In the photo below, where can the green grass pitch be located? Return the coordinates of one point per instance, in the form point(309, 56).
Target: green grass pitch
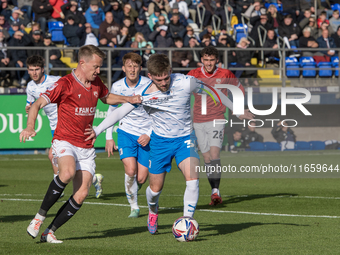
point(282, 214)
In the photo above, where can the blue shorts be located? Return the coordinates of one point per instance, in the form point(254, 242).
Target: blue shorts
point(163, 150)
point(129, 147)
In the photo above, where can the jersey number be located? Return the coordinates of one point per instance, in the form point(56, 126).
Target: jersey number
point(216, 136)
point(189, 144)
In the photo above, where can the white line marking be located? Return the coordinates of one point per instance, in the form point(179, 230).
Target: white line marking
point(201, 210)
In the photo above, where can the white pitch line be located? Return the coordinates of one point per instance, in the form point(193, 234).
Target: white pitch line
point(201, 210)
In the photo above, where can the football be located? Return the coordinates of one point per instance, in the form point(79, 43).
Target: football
point(185, 229)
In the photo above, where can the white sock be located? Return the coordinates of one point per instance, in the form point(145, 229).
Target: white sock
point(54, 176)
point(215, 191)
point(191, 197)
point(152, 199)
point(40, 217)
point(131, 189)
point(94, 179)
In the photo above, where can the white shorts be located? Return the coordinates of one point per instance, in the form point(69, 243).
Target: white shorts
point(84, 157)
point(208, 135)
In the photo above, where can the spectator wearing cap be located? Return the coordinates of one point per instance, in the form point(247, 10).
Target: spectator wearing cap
point(160, 38)
point(94, 16)
point(6, 77)
point(189, 34)
point(336, 37)
point(54, 55)
point(130, 12)
point(176, 29)
point(109, 29)
point(326, 42)
point(244, 58)
point(4, 23)
point(157, 18)
point(174, 10)
point(86, 35)
point(163, 6)
point(182, 7)
point(131, 28)
point(141, 26)
point(70, 30)
point(290, 31)
point(15, 26)
point(118, 14)
point(71, 8)
point(19, 56)
point(256, 22)
point(307, 41)
point(36, 41)
point(15, 17)
point(57, 12)
point(43, 11)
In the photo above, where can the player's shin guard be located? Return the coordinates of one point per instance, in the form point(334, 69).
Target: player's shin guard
point(152, 198)
point(131, 189)
point(53, 193)
point(64, 214)
point(214, 174)
point(191, 197)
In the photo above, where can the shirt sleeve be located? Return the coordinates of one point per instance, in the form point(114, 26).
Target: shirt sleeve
point(55, 91)
point(110, 129)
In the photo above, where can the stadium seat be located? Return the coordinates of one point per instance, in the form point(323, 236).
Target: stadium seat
point(308, 64)
point(335, 7)
point(335, 63)
point(291, 63)
point(325, 69)
point(256, 146)
point(55, 25)
point(317, 145)
point(278, 6)
point(56, 30)
point(302, 146)
point(272, 146)
point(240, 31)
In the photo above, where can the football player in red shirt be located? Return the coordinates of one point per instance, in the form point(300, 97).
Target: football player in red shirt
point(210, 137)
point(76, 95)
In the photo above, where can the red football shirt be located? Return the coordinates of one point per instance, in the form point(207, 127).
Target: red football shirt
point(76, 107)
point(220, 76)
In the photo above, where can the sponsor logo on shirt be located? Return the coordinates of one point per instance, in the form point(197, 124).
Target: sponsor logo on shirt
point(85, 111)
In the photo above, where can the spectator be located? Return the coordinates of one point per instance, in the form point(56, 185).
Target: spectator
point(244, 58)
point(136, 5)
point(36, 41)
point(6, 77)
point(181, 58)
point(206, 41)
point(26, 6)
point(142, 43)
point(271, 42)
point(322, 18)
point(325, 5)
point(54, 55)
point(57, 12)
point(336, 37)
point(190, 33)
point(4, 23)
point(163, 6)
point(256, 22)
point(249, 135)
point(242, 6)
point(175, 9)
point(335, 20)
point(94, 16)
point(307, 41)
point(284, 136)
point(109, 29)
point(19, 57)
point(146, 55)
point(122, 37)
point(236, 142)
point(141, 26)
point(254, 10)
point(290, 31)
point(182, 7)
point(71, 8)
point(274, 18)
point(70, 30)
point(15, 17)
point(208, 12)
point(161, 39)
point(157, 18)
point(5, 10)
point(313, 28)
point(307, 5)
point(209, 31)
point(15, 26)
point(86, 35)
point(290, 7)
point(131, 28)
point(325, 26)
point(193, 43)
point(117, 12)
point(176, 29)
point(304, 20)
point(130, 12)
point(102, 4)
point(326, 42)
point(43, 11)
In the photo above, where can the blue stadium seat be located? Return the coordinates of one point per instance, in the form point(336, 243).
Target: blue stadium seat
point(256, 146)
point(325, 70)
point(302, 146)
point(55, 25)
point(335, 63)
point(240, 31)
point(335, 7)
point(278, 6)
point(317, 145)
point(308, 64)
point(56, 30)
point(291, 63)
point(272, 146)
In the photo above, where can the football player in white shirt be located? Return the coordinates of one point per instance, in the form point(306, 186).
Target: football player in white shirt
point(167, 100)
point(133, 133)
point(39, 84)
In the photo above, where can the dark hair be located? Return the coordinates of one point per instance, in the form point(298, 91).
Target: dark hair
point(35, 60)
point(177, 39)
point(210, 51)
point(158, 64)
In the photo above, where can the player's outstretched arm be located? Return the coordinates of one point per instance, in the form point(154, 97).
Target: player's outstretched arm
point(109, 121)
point(114, 99)
point(32, 116)
point(110, 143)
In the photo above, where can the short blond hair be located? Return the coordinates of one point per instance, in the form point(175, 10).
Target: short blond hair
point(87, 52)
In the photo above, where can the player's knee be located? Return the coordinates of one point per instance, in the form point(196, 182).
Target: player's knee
point(50, 157)
point(142, 179)
point(130, 172)
point(156, 187)
point(206, 158)
point(81, 196)
point(66, 176)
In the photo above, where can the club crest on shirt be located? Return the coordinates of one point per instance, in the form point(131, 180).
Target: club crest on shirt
point(218, 81)
point(95, 93)
point(52, 86)
point(62, 151)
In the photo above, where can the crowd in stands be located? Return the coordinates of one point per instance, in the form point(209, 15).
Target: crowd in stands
point(169, 23)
